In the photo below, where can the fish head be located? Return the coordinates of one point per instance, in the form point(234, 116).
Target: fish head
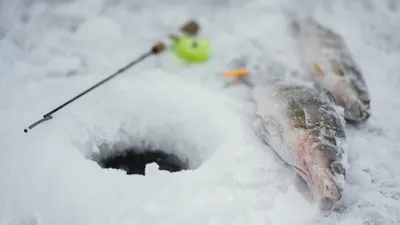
point(349, 90)
point(356, 108)
point(357, 83)
point(320, 160)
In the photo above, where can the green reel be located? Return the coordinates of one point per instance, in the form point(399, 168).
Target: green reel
point(191, 49)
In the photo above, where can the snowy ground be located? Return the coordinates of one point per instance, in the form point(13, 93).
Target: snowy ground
point(51, 51)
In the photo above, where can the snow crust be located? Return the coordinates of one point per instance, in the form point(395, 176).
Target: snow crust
point(52, 50)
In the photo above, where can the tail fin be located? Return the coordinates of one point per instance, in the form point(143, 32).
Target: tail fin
point(293, 18)
point(296, 13)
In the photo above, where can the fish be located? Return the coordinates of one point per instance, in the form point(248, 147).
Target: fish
point(305, 130)
point(332, 68)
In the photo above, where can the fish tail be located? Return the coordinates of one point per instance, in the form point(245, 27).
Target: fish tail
point(261, 130)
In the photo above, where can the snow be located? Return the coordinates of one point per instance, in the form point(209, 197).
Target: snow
point(47, 175)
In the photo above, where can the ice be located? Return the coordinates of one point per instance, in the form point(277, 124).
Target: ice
point(152, 169)
point(63, 66)
point(47, 176)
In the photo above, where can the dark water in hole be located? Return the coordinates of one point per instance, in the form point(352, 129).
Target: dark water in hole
point(134, 161)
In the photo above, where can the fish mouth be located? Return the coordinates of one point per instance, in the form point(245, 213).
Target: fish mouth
point(316, 171)
point(357, 115)
point(355, 109)
point(322, 184)
point(327, 190)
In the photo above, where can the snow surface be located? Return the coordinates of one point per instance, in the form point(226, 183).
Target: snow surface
point(52, 50)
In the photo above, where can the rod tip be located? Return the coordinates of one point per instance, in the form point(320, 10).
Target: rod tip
point(158, 48)
point(25, 130)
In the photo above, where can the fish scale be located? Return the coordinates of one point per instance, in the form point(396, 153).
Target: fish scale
point(304, 130)
point(325, 55)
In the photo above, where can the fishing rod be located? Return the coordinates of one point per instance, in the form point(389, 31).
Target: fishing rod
point(189, 28)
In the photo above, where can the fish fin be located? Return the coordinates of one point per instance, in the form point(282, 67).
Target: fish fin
point(267, 127)
point(317, 70)
point(260, 126)
point(337, 68)
point(299, 171)
point(325, 93)
point(297, 114)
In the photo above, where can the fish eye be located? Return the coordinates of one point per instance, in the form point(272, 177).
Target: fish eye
point(365, 99)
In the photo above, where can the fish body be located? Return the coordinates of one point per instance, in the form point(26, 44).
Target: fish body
point(326, 56)
point(305, 130)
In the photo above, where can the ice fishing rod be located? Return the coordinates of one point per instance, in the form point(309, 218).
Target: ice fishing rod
point(190, 28)
point(156, 49)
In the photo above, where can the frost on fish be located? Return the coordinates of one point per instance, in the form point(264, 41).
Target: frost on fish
point(305, 130)
point(326, 56)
